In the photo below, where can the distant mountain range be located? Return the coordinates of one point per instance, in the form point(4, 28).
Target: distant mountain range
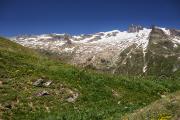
point(136, 51)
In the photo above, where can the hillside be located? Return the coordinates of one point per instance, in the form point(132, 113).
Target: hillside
point(33, 86)
point(166, 108)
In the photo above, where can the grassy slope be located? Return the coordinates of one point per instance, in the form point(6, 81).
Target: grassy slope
point(102, 96)
point(164, 109)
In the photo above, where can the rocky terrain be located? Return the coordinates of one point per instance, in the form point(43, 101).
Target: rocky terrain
point(136, 51)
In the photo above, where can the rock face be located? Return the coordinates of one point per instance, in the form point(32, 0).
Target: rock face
point(175, 32)
point(163, 53)
point(136, 51)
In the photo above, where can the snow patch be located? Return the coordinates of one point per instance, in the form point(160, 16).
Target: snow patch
point(44, 36)
point(175, 45)
point(176, 40)
point(145, 68)
point(166, 31)
point(69, 49)
point(178, 58)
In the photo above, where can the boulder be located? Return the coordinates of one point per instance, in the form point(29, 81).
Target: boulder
point(46, 84)
point(42, 93)
point(38, 82)
point(42, 83)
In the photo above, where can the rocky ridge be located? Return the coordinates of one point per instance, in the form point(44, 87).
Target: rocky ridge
point(136, 51)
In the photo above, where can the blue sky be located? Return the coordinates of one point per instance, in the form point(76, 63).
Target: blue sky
point(19, 17)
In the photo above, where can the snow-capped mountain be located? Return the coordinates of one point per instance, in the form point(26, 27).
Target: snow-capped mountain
point(138, 50)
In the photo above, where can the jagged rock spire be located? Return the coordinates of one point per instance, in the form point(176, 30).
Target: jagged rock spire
point(134, 28)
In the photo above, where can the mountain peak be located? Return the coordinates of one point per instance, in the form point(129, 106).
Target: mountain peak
point(134, 28)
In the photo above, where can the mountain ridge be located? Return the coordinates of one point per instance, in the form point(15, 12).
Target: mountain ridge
point(108, 51)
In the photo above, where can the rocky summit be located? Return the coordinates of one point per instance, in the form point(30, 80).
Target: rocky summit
point(136, 51)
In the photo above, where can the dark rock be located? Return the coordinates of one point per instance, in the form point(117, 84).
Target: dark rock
point(175, 32)
point(67, 39)
point(7, 105)
point(95, 39)
point(104, 60)
point(42, 93)
point(101, 34)
point(111, 34)
point(89, 59)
